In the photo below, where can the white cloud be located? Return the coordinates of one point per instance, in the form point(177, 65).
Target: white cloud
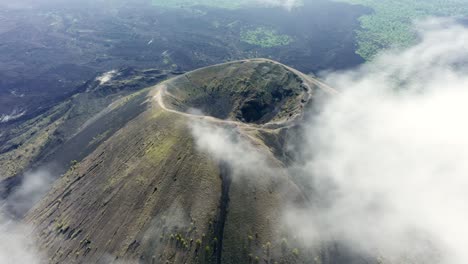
point(15, 114)
point(229, 145)
point(34, 186)
point(389, 154)
point(106, 77)
point(17, 243)
point(386, 158)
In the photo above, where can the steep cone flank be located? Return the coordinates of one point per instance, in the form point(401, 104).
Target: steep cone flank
point(148, 195)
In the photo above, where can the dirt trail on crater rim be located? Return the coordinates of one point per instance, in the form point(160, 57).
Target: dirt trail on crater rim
point(162, 93)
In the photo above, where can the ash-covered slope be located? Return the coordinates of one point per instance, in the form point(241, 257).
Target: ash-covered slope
point(147, 194)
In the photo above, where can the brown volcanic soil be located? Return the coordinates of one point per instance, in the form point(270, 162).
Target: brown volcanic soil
point(148, 195)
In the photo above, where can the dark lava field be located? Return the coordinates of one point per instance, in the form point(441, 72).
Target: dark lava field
point(48, 51)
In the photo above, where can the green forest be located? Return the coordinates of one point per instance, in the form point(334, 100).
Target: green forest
point(390, 23)
point(265, 37)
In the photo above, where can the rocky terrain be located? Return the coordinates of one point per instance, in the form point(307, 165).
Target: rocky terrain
point(49, 48)
point(142, 191)
point(75, 127)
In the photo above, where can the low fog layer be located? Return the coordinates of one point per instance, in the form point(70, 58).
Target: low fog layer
point(386, 157)
point(17, 244)
point(389, 153)
point(227, 146)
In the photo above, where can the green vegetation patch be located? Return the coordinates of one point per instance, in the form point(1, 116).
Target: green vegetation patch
point(390, 25)
point(265, 37)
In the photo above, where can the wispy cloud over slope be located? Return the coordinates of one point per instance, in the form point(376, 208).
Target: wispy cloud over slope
point(17, 242)
point(16, 245)
point(387, 157)
point(389, 154)
point(228, 146)
point(15, 114)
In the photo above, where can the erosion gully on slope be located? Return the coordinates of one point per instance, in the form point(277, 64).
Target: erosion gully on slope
point(225, 172)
